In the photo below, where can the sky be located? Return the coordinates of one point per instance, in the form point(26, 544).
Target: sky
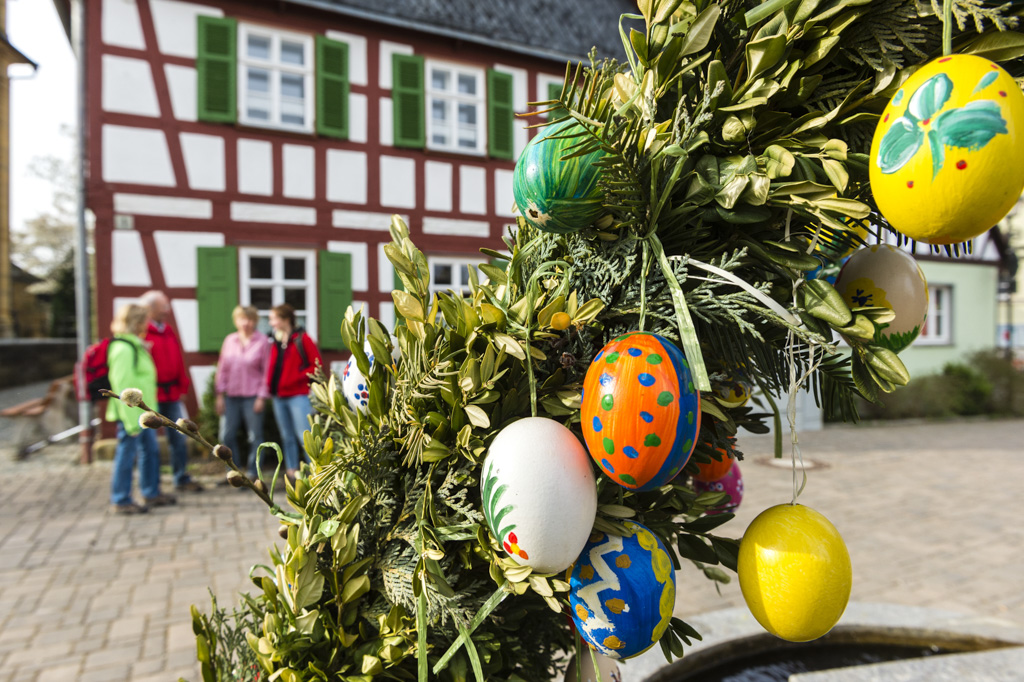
point(40, 104)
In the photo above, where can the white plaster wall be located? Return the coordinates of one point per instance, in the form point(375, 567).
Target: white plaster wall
point(176, 25)
point(204, 161)
point(387, 122)
point(186, 317)
point(176, 207)
point(356, 55)
point(121, 25)
point(520, 96)
point(136, 155)
point(128, 86)
point(244, 211)
point(177, 254)
point(358, 251)
point(458, 228)
point(543, 80)
point(438, 177)
point(118, 302)
point(255, 167)
point(397, 182)
point(385, 50)
point(346, 176)
point(129, 260)
point(386, 316)
point(357, 117)
point(299, 171)
point(472, 190)
point(385, 271)
point(181, 83)
point(361, 220)
point(200, 375)
point(504, 200)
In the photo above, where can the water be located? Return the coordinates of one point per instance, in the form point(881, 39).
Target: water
point(778, 665)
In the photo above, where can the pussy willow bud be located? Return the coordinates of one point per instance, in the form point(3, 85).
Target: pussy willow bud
point(260, 486)
point(132, 397)
point(236, 479)
point(283, 532)
point(150, 420)
point(188, 425)
point(222, 452)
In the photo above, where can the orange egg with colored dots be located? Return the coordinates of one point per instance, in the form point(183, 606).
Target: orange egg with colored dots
point(945, 155)
point(715, 470)
point(640, 412)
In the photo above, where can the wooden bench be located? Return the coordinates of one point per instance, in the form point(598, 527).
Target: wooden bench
point(39, 417)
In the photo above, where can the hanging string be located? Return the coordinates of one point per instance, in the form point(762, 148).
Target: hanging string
point(947, 27)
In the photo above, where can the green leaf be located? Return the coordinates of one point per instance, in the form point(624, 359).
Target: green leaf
point(849, 207)
point(836, 173)
point(899, 144)
point(408, 305)
point(999, 46)
point(930, 97)
point(779, 161)
point(696, 548)
point(639, 43)
point(763, 54)
point(822, 301)
point(700, 31)
point(355, 588)
point(970, 127)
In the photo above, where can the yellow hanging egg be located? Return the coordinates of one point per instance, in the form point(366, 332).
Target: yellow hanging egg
point(794, 572)
point(945, 158)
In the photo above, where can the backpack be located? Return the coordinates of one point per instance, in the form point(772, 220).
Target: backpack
point(92, 371)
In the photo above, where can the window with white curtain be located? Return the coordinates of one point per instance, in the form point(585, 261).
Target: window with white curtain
point(275, 78)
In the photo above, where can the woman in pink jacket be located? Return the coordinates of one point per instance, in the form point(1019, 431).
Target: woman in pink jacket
point(241, 384)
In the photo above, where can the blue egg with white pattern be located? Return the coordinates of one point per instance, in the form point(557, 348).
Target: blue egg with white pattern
point(622, 591)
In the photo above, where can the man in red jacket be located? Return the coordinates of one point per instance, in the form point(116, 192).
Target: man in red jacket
point(172, 382)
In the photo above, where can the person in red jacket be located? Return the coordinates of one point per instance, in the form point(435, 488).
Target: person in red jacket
point(293, 359)
point(172, 382)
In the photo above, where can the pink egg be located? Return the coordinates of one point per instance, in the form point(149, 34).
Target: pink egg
point(731, 484)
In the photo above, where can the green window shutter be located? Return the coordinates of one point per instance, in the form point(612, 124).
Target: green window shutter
point(408, 101)
point(554, 92)
point(216, 69)
point(216, 294)
point(500, 115)
point(335, 297)
point(331, 87)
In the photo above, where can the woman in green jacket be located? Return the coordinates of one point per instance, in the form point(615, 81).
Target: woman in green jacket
point(131, 366)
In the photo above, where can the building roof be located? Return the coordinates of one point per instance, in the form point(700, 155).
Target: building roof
point(555, 29)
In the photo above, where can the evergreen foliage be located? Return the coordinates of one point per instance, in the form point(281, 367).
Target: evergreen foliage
point(733, 139)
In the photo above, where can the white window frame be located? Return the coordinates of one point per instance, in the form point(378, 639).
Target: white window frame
point(275, 67)
point(938, 327)
point(277, 282)
point(453, 96)
point(456, 262)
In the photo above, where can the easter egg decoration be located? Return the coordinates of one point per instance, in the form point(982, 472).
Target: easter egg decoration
point(553, 193)
point(944, 156)
point(539, 493)
point(606, 667)
point(731, 484)
point(795, 572)
point(622, 590)
point(354, 385)
point(716, 469)
point(640, 412)
point(883, 275)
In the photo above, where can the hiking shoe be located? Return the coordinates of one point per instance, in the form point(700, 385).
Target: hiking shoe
point(129, 508)
point(190, 487)
point(161, 500)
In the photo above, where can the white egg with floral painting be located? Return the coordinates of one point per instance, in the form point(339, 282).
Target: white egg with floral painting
point(539, 493)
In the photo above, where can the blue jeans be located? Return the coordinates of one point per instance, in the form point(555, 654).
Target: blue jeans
point(128, 448)
point(291, 413)
point(179, 453)
point(236, 410)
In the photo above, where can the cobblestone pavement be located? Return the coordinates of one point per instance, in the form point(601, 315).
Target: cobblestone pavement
point(931, 514)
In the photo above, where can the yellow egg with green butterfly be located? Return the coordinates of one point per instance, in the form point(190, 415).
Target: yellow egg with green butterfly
point(945, 159)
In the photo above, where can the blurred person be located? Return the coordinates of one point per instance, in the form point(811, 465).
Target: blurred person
point(293, 359)
point(131, 366)
point(241, 384)
point(172, 383)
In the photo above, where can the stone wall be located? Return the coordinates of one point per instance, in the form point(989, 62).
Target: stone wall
point(24, 361)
